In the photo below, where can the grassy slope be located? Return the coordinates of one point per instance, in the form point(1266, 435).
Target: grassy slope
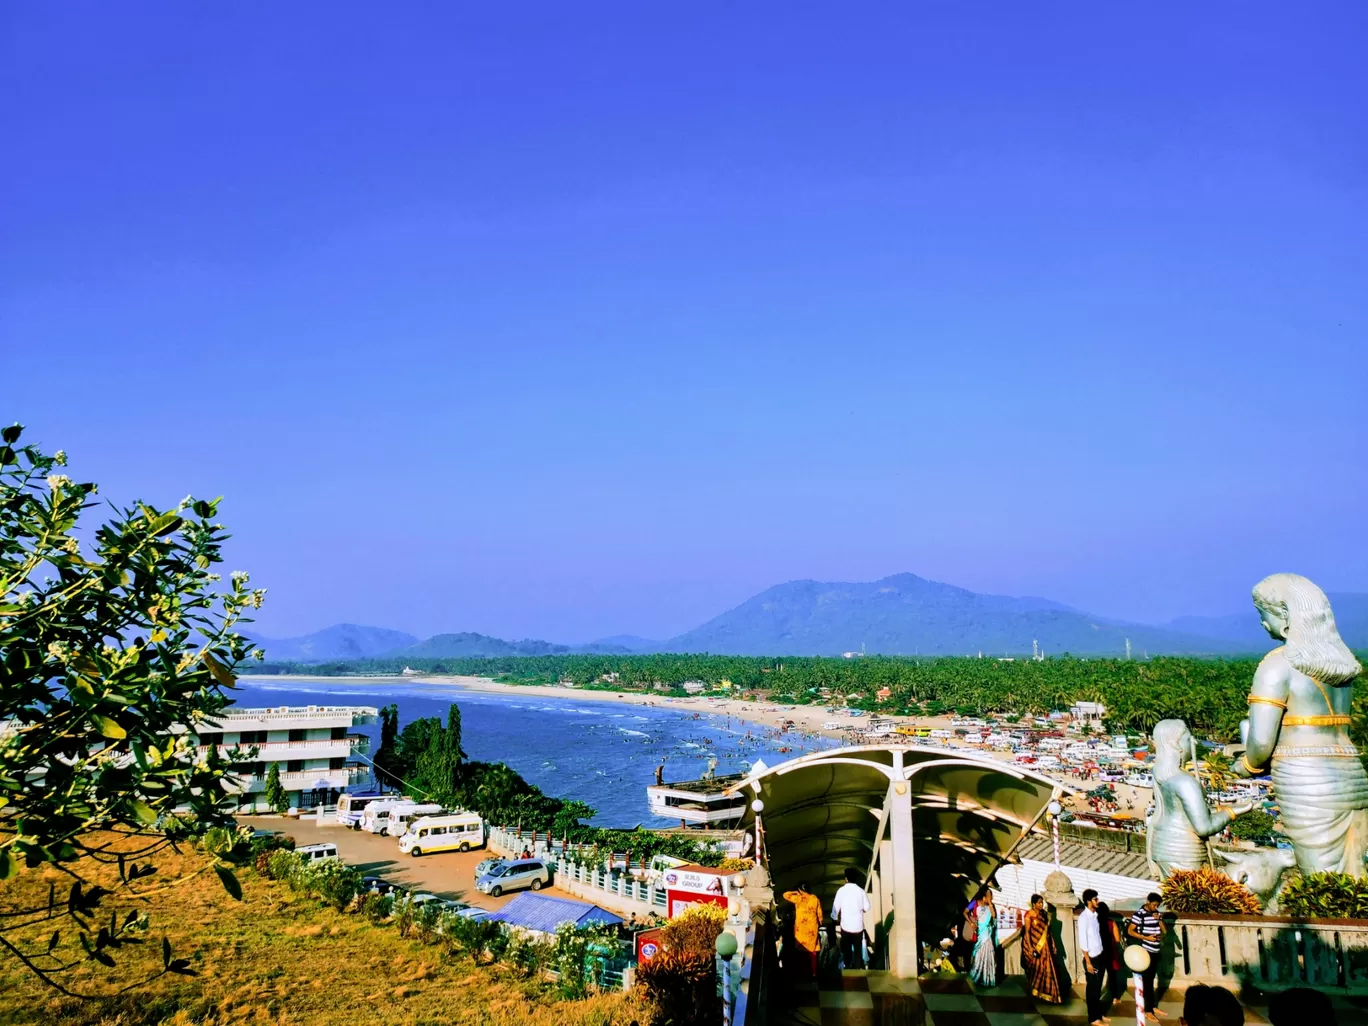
point(277, 958)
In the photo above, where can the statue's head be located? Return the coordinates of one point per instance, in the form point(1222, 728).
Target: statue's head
point(1296, 611)
point(1172, 736)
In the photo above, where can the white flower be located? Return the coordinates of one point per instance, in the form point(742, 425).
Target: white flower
point(59, 457)
point(58, 481)
point(241, 575)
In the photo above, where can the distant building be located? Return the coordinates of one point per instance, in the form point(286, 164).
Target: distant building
point(1091, 713)
point(883, 694)
point(311, 744)
point(694, 687)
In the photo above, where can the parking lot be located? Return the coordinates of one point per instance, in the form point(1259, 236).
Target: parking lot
point(448, 875)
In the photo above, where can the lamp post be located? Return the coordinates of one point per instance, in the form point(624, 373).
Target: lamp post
point(1137, 961)
point(1054, 808)
point(725, 945)
point(757, 806)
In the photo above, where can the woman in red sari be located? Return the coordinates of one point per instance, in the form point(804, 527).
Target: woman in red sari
point(1038, 953)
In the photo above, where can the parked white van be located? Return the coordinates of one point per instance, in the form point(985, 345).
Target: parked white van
point(376, 814)
point(396, 824)
point(314, 852)
point(461, 831)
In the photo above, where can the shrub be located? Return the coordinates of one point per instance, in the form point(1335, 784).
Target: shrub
point(529, 957)
point(472, 937)
point(1325, 896)
point(426, 922)
point(404, 915)
point(1254, 825)
point(282, 865)
point(376, 907)
point(1205, 890)
point(680, 988)
point(572, 950)
point(737, 865)
point(695, 930)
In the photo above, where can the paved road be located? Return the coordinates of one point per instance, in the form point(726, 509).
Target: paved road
point(449, 874)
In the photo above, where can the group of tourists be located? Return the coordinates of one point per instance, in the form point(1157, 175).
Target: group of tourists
point(848, 910)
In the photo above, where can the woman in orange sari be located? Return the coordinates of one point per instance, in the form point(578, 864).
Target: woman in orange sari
point(1038, 953)
point(807, 924)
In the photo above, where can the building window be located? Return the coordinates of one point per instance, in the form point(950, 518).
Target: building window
point(296, 735)
point(211, 737)
point(339, 733)
point(337, 762)
point(252, 737)
point(294, 766)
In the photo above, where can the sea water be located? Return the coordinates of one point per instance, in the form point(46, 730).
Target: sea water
point(600, 752)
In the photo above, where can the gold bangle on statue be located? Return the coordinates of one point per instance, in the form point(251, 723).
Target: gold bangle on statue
point(1260, 700)
point(1338, 720)
point(1244, 761)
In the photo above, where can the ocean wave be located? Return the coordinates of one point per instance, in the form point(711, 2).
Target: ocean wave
point(633, 733)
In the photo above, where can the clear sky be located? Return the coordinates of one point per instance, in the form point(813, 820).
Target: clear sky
point(566, 320)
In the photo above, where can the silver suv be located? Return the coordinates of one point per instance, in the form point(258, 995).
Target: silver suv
point(516, 875)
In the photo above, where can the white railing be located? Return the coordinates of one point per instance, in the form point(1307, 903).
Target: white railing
point(296, 713)
point(317, 745)
point(571, 863)
point(308, 779)
point(1269, 952)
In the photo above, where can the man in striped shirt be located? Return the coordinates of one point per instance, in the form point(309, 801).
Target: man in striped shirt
point(1147, 928)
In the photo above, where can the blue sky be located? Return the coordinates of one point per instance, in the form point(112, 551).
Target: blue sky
point(571, 320)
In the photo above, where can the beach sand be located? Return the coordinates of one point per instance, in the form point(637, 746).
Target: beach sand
point(806, 719)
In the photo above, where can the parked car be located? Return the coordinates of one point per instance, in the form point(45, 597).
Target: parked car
point(485, 865)
point(445, 904)
point(458, 832)
point(313, 852)
point(379, 885)
point(516, 875)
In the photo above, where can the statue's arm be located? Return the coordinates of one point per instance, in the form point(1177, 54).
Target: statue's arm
point(1267, 703)
point(1203, 820)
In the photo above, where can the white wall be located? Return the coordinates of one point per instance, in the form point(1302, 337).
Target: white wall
point(1018, 883)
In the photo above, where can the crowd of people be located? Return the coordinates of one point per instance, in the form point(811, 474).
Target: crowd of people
point(975, 950)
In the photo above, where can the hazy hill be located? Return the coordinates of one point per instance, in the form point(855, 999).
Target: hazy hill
point(1351, 617)
point(469, 645)
point(907, 615)
point(340, 641)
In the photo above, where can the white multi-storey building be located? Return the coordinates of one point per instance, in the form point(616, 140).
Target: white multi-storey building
point(311, 743)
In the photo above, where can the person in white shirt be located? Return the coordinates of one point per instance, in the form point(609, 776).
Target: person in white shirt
point(1090, 944)
point(848, 909)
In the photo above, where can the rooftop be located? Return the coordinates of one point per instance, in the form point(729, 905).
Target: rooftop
point(544, 913)
point(717, 784)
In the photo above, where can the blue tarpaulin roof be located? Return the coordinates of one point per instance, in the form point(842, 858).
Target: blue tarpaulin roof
point(545, 913)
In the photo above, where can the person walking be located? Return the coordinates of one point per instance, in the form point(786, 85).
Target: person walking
point(1038, 953)
point(983, 969)
point(807, 925)
point(848, 909)
point(1114, 984)
point(1147, 928)
point(1090, 944)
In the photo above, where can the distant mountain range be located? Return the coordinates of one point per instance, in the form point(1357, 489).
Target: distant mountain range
point(899, 615)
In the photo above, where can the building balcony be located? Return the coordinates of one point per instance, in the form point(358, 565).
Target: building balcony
point(284, 751)
point(307, 780)
point(284, 717)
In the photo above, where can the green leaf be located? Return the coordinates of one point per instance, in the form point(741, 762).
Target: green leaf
point(7, 864)
point(108, 727)
point(229, 881)
point(166, 953)
point(142, 812)
point(11, 434)
point(165, 524)
point(6, 455)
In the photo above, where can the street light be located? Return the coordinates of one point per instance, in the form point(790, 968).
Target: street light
point(1137, 961)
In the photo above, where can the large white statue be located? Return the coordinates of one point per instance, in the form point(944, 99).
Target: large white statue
point(1298, 727)
point(1180, 820)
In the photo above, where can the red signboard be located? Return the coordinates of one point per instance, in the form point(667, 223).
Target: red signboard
point(694, 885)
point(648, 944)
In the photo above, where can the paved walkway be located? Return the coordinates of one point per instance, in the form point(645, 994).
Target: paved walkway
point(954, 1001)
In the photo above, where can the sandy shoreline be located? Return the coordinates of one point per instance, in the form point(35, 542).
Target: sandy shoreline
point(806, 719)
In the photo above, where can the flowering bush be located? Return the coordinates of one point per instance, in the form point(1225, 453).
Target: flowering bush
point(1205, 890)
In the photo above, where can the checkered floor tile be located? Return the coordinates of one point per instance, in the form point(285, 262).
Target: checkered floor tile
point(955, 1001)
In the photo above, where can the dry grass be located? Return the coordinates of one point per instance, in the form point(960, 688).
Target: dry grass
point(277, 959)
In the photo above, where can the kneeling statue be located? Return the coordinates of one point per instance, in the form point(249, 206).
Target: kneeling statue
point(1180, 821)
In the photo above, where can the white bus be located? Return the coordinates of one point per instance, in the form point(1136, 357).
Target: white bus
point(351, 806)
point(460, 831)
point(396, 824)
point(375, 816)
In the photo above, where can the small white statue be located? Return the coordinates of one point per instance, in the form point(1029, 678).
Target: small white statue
point(1180, 820)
